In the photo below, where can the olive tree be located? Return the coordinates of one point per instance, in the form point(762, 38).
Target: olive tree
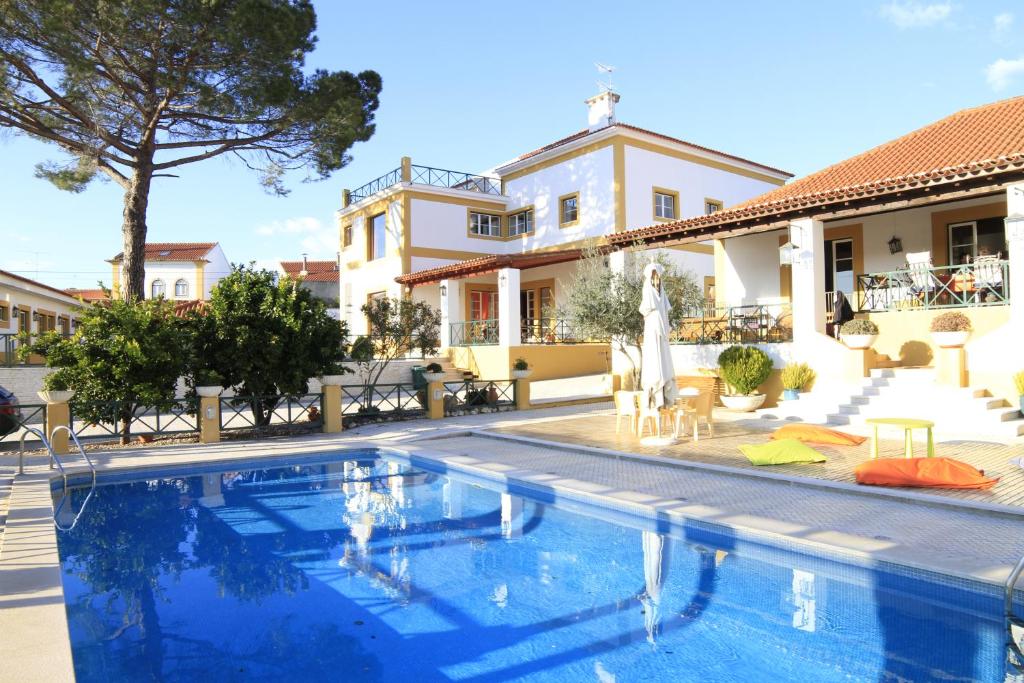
point(134, 89)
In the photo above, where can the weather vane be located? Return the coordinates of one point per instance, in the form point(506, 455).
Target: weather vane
point(605, 86)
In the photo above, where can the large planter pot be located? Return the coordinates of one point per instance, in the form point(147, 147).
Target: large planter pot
point(790, 394)
point(521, 374)
point(859, 341)
point(209, 391)
point(331, 380)
point(950, 340)
point(433, 376)
point(743, 404)
point(56, 395)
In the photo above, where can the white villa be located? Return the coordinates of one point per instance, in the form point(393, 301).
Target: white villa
point(180, 271)
point(493, 251)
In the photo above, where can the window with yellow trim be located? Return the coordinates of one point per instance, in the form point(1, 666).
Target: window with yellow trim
point(378, 237)
point(664, 205)
point(484, 224)
point(346, 236)
point(5, 313)
point(520, 223)
point(712, 206)
point(569, 209)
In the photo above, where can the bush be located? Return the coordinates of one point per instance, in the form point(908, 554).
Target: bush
point(520, 364)
point(744, 368)
point(434, 367)
point(860, 326)
point(797, 376)
point(1018, 380)
point(951, 321)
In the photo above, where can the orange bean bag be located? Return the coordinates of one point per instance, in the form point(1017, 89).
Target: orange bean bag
point(943, 473)
point(817, 434)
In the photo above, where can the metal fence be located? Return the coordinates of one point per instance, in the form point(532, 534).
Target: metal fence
point(108, 418)
point(982, 283)
point(383, 400)
point(473, 394)
point(15, 419)
point(757, 323)
point(376, 185)
point(550, 331)
point(293, 410)
point(474, 333)
point(428, 175)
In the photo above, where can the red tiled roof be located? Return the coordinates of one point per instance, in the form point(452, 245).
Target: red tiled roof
point(579, 135)
point(174, 251)
point(88, 295)
point(984, 140)
point(489, 264)
point(183, 308)
point(316, 271)
point(35, 283)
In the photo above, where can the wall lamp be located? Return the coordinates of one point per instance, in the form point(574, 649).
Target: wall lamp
point(895, 245)
point(444, 290)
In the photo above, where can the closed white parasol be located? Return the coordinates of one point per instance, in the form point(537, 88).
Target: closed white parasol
point(657, 376)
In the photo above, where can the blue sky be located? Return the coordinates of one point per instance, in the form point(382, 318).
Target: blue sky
point(468, 85)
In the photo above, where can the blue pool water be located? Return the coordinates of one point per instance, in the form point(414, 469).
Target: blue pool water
point(372, 569)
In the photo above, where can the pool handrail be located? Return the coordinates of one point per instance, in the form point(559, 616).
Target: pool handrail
point(81, 451)
point(1011, 581)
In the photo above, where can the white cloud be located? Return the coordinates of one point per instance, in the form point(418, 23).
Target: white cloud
point(303, 234)
point(1002, 72)
point(915, 14)
point(1002, 25)
point(291, 226)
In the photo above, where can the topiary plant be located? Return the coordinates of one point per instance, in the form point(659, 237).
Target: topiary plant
point(520, 364)
point(951, 321)
point(434, 367)
point(796, 376)
point(744, 368)
point(859, 326)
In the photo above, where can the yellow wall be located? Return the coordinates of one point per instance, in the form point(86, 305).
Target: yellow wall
point(553, 361)
point(903, 335)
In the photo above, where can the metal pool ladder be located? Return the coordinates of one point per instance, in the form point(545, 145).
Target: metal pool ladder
point(63, 473)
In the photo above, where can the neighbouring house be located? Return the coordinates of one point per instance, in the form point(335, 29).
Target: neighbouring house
point(28, 306)
point(321, 278)
point(89, 296)
point(179, 271)
point(494, 251)
point(930, 222)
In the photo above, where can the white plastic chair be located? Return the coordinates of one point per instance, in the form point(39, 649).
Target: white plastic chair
point(700, 408)
point(625, 406)
point(988, 271)
point(919, 266)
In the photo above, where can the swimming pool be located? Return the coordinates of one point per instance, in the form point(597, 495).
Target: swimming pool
point(364, 567)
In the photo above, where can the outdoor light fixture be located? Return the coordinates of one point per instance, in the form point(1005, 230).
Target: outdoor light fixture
point(895, 245)
point(786, 253)
point(503, 279)
point(444, 290)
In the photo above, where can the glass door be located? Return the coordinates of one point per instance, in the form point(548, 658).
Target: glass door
point(963, 242)
point(840, 275)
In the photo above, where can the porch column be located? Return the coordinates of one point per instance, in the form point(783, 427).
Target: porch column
point(808, 291)
point(451, 309)
point(509, 330)
point(617, 261)
point(1015, 251)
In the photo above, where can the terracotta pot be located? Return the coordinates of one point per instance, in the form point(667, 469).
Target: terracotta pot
point(951, 340)
point(859, 341)
point(743, 404)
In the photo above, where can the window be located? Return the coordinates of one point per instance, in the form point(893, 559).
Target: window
point(378, 237)
point(484, 224)
point(969, 240)
point(181, 289)
point(520, 223)
point(483, 305)
point(665, 202)
point(346, 236)
point(711, 206)
point(568, 210)
point(157, 289)
point(5, 313)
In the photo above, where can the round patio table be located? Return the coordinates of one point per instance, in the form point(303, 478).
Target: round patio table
point(908, 424)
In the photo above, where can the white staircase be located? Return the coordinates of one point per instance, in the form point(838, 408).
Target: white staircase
point(969, 413)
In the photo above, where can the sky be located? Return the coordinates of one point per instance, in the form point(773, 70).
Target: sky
point(466, 86)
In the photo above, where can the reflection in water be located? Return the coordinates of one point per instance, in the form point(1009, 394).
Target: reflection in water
point(371, 570)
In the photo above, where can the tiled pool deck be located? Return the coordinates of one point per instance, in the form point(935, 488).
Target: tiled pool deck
point(683, 481)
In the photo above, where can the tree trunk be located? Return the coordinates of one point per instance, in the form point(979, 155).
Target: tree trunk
point(133, 232)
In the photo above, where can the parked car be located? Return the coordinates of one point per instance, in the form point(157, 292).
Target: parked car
point(10, 413)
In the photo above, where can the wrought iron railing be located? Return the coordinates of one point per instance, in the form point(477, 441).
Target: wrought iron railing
point(428, 175)
point(549, 331)
point(969, 285)
point(383, 399)
point(107, 418)
point(9, 344)
point(305, 410)
point(753, 324)
point(15, 419)
point(474, 332)
point(470, 394)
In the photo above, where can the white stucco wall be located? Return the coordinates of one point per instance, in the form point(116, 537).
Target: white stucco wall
point(751, 269)
point(440, 225)
point(169, 272)
point(694, 182)
point(216, 270)
point(15, 293)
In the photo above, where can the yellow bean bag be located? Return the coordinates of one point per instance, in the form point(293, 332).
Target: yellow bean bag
point(781, 452)
point(817, 434)
point(944, 473)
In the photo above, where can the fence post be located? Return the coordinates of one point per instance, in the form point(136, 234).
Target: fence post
point(209, 414)
point(331, 404)
point(435, 400)
point(522, 391)
point(58, 414)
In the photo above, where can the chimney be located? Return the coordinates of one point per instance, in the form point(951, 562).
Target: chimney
point(601, 110)
point(305, 270)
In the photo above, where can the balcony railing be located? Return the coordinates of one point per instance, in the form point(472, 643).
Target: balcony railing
point(427, 175)
point(758, 323)
point(549, 331)
point(968, 285)
point(474, 333)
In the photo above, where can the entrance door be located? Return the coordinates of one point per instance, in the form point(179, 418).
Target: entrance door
point(24, 320)
point(963, 242)
point(483, 305)
point(839, 273)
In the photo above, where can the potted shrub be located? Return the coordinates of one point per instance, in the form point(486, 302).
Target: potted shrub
point(744, 369)
point(950, 329)
point(208, 383)
point(433, 372)
point(859, 333)
point(55, 389)
point(521, 369)
point(1018, 380)
point(795, 377)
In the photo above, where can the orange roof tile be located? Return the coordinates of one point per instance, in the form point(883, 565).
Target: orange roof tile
point(316, 271)
point(88, 295)
point(982, 140)
point(33, 282)
point(183, 308)
point(174, 251)
point(489, 264)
